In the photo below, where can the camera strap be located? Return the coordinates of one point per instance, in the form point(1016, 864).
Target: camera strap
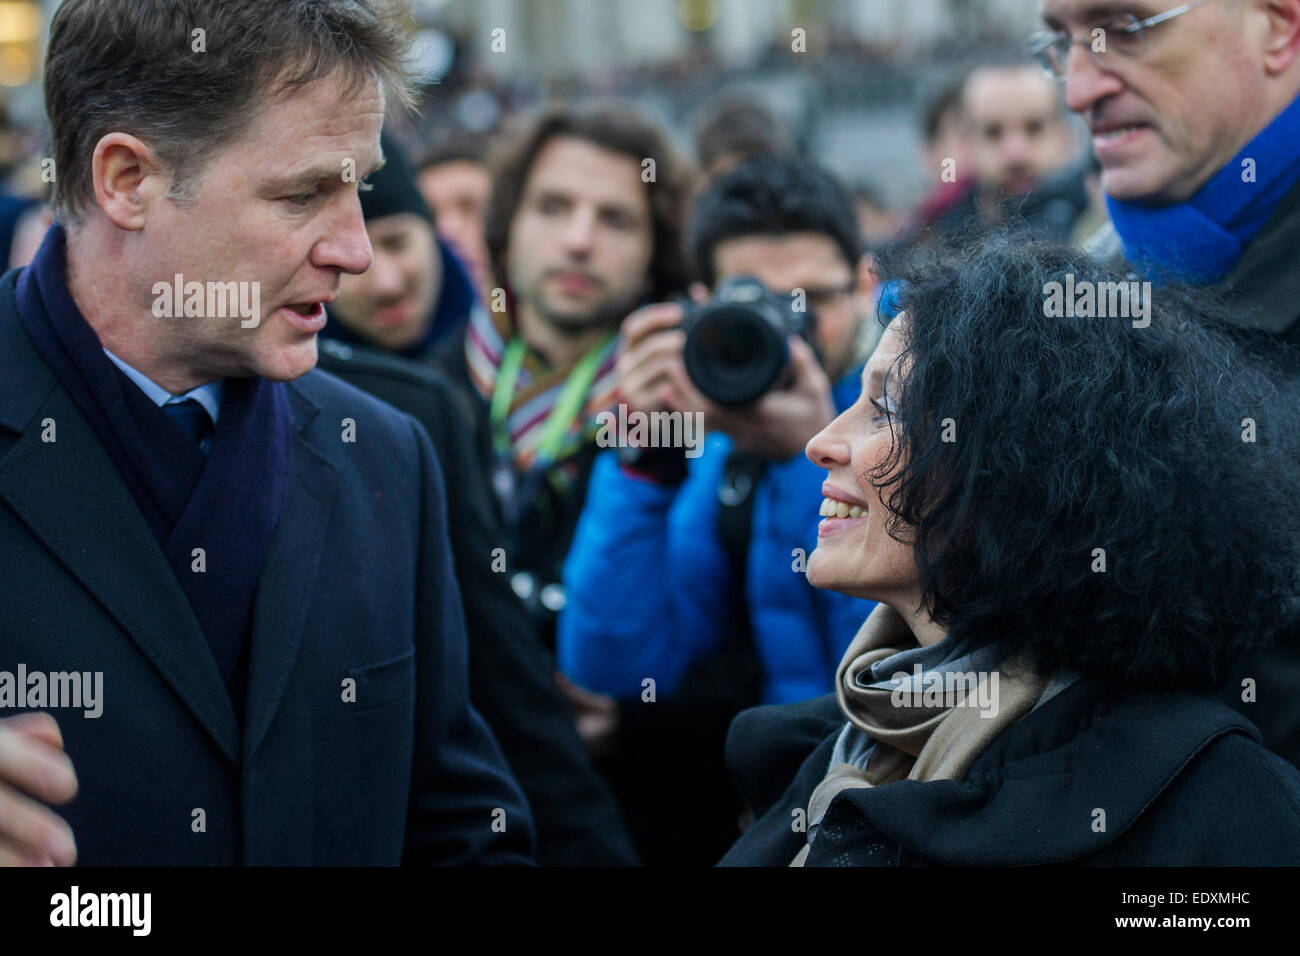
point(568, 406)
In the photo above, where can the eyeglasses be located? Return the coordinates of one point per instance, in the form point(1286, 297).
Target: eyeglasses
point(1113, 39)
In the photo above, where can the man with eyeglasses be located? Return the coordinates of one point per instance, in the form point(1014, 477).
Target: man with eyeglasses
point(1196, 124)
point(1195, 118)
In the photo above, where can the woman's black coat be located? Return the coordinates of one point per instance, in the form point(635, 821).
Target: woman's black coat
point(1160, 779)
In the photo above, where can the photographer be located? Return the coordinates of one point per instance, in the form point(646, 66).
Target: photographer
point(671, 563)
point(653, 547)
point(578, 235)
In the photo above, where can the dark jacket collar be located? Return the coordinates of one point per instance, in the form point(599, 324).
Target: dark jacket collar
point(1265, 281)
point(25, 380)
point(1032, 796)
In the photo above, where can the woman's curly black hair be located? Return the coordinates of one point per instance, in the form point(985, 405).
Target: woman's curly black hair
point(1070, 435)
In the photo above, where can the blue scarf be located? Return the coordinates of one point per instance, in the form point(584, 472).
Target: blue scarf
point(1201, 239)
point(227, 502)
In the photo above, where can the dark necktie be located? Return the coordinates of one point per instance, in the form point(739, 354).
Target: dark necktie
point(192, 418)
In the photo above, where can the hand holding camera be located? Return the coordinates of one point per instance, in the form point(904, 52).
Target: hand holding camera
point(743, 359)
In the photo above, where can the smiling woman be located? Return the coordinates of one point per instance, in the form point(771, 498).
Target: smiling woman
point(1093, 520)
point(1027, 442)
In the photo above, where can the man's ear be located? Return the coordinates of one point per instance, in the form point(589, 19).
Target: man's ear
point(1282, 41)
point(128, 179)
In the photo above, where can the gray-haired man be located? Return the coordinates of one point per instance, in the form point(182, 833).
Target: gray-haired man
point(1194, 112)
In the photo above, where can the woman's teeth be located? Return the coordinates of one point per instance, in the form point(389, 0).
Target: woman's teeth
point(839, 509)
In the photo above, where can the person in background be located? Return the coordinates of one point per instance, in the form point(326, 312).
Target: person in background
point(878, 222)
point(736, 128)
point(945, 155)
point(1096, 218)
point(511, 676)
point(16, 212)
point(454, 180)
point(1023, 166)
point(417, 293)
point(28, 232)
point(703, 562)
point(1194, 113)
point(23, 195)
point(583, 227)
point(1036, 686)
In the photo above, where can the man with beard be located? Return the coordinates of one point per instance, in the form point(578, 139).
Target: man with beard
point(701, 555)
point(582, 228)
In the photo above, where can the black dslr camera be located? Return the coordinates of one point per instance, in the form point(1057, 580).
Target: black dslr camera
point(736, 348)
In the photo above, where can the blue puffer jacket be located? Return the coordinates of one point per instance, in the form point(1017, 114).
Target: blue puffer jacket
point(647, 579)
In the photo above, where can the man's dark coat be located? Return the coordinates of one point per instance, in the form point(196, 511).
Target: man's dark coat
point(358, 745)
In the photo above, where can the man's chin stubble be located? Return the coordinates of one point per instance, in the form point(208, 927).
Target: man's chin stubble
point(573, 326)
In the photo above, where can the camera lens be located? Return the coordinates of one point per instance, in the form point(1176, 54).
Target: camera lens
point(734, 354)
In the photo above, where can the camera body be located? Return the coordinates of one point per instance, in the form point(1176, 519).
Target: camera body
point(736, 343)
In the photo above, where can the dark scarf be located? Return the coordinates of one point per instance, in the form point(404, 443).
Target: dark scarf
point(226, 502)
point(1200, 240)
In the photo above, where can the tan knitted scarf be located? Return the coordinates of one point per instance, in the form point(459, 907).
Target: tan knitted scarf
point(930, 737)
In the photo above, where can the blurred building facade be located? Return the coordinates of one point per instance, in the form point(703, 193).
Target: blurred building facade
point(22, 39)
point(566, 36)
point(848, 87)
point(848, 84)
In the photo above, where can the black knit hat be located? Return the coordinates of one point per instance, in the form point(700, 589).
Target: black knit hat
point(393, 187)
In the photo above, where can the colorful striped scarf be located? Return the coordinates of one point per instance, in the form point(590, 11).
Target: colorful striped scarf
point(537, 388)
